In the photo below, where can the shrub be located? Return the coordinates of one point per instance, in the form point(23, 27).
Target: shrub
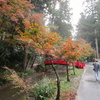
point(22, 74)
point(43, 91)
point(7, 73)
point(3, 81)
point(30, 71)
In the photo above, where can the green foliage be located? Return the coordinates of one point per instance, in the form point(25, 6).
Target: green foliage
point(41, 5)
point(12, 57)
point(30, 71)
point(22, 74)
point(3, 81)
point(7, 73)
point(64, 84)
point(59, 20)
point(86, 28)
point(41, 67)
point(44, 90)
point(89, 23)
point(27, 72)
point(78, 72)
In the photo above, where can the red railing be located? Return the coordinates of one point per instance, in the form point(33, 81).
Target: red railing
point(63, 62)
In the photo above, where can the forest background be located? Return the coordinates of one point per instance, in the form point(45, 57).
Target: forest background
point(20, 24)
point(26, 37)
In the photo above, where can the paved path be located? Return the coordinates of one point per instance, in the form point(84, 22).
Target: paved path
point(89, 88)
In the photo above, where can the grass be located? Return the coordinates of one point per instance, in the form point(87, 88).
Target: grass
point(69, 89)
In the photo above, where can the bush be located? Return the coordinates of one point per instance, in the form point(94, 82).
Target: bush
point(7, 73)
point(22, 74)
point(3, 81)
point(44, 90)
point(30, 71)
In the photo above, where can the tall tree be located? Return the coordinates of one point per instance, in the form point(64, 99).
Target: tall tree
point(88, 26)
point(59, 19)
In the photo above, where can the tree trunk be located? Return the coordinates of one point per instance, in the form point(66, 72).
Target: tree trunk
point(28, 62)
point(58, 83)
point(33, 60)
point(25, 58)
point(96, 43)
point(73, 68)
point(3, 52)
point(67, 71)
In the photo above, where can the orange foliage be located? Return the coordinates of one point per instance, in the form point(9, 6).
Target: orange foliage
point(44, 41)
point(15, 9)
point(70, 50)
point(38, 37)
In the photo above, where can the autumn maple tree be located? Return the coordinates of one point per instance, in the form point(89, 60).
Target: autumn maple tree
point(70, 50)
point(15, 16)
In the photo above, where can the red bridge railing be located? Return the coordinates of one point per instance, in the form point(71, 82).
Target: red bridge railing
point(77, 64)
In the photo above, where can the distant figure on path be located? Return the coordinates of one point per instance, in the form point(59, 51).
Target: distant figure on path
point(86, 61)
point(96, 69)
